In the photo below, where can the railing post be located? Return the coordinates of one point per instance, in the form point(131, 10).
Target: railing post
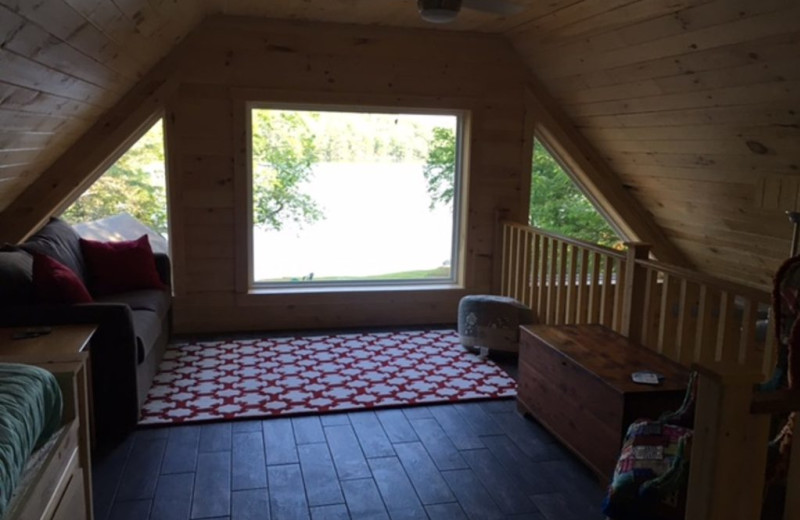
point(500, 215)
point(635, 286)
point(729, 448)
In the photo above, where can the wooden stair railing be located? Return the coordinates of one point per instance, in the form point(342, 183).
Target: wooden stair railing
point(719, 327)
point(687, 316)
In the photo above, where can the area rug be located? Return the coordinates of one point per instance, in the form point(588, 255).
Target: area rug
point(250, 378)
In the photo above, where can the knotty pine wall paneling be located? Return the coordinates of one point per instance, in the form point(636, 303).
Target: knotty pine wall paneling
point(232, 60)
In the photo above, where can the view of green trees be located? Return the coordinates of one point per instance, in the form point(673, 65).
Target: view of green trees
point(284, 153)
point(440, 166)
point(556, 203)
point(135, 184)
point(286, 145)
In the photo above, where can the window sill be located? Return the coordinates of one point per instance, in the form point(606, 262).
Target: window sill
point(342, 289)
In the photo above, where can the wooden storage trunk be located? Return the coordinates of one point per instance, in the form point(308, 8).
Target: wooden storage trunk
point(576, 381)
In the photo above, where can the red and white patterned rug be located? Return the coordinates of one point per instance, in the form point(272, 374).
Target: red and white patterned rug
point(281, 376)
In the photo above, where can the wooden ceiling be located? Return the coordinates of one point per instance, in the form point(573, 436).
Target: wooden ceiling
point(694, 103)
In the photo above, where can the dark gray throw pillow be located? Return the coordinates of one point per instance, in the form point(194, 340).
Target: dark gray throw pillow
point(16, 277)
point(58, 240)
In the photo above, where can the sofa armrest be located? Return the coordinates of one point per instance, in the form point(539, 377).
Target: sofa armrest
point(164, 268)
point(116, 315)
point(112, 352)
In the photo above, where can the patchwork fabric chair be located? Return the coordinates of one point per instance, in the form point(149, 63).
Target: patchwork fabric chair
point(652, 471)
point(492, 322)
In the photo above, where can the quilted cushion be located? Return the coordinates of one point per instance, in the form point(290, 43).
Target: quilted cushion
point(652, 473)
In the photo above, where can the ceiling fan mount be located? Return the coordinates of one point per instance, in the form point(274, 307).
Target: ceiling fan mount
point(445, 11)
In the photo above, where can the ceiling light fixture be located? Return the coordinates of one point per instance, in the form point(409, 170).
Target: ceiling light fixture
point(438, 11)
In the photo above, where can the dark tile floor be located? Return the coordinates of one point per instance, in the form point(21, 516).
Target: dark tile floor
point(471, 460)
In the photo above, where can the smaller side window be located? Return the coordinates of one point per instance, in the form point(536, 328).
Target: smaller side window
point(132, 189)
point(558, 205)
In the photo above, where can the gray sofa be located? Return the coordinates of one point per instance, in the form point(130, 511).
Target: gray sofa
point(132, 334)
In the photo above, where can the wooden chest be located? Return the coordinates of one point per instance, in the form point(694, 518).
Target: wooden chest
point(576, 381)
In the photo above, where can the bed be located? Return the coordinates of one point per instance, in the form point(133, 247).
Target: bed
point(42, 453)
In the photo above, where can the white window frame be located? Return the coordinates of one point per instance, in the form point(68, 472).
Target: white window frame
point(457, 239)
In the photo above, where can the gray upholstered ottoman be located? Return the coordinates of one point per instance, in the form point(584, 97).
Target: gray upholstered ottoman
point(492, 322)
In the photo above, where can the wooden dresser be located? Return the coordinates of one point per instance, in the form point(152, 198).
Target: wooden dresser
point(576, 381)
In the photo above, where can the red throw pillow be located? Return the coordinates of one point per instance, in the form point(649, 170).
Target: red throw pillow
point(116, 267)
point(56, 283)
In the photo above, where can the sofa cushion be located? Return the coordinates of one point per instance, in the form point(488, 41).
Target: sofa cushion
point(120, 266)
point(16, 277)
point(55, 283)
point(58, 240)
point(147, 327)
point(145, 299)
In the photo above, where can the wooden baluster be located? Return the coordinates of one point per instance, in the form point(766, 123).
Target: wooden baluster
point(505, 260)
point(594, 290)
point(667, 318)
point(729, 447)
point(747, 338)
point(703, 321)
point(725, 348)
point(561, 295)
point(650, 312)
point(572, 288)
point(536, 274)
point(583, 293)
point(634, 290)
point(551, 281)
point(515, 272)
point(545, 274)
point(519, 293)
point(687, 322)
point(526, 268)
point(619, 295)
point(607, 295)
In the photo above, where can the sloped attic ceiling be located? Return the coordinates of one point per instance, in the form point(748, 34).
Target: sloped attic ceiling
point(692, 102)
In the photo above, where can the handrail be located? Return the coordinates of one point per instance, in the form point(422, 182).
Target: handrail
point(748, 291)
point(596, 248)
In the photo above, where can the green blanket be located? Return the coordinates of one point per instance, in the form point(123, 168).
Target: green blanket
point(30, 412)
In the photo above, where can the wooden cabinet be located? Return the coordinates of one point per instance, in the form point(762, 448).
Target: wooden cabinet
point(576, 381)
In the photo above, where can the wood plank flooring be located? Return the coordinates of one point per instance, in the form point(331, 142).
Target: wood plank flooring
point(456, 461)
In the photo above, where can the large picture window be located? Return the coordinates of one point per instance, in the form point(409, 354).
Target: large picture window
point(354, 198)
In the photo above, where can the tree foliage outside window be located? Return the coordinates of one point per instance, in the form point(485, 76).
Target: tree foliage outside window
point(135, 184)
point(440, 167)
point(558, 205)
point(284, 152)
